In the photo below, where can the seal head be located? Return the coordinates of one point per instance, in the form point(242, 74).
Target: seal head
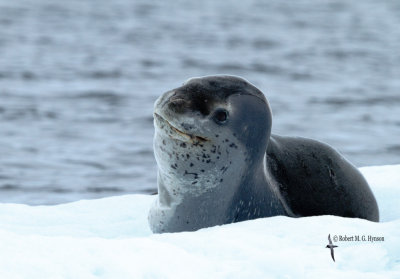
point(210, 139)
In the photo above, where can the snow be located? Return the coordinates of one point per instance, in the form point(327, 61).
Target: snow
point(110, 238)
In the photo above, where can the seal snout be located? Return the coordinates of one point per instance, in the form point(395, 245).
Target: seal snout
point(174, 132)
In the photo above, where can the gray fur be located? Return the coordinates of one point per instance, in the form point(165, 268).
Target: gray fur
point(212, 173)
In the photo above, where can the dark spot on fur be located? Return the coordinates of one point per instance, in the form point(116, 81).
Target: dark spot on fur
point(183, 145)
point(313, 155)
point(233, 145)
point(191, 173)
point(187, 126)
point(191, 164)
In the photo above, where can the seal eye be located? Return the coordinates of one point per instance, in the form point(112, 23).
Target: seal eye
point(220, 116)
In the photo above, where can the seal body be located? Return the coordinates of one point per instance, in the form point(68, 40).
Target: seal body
point(218, 162)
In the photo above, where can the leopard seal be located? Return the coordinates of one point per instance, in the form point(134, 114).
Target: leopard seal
point(218, 162)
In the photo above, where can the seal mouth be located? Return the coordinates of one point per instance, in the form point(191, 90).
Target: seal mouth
point(190, 137)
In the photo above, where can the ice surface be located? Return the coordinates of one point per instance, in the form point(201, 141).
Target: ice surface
point(110, 238)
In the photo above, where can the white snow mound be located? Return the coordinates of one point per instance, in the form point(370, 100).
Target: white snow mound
point(110, 238)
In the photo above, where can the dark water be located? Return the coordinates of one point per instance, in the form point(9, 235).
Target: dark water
point(78, 80)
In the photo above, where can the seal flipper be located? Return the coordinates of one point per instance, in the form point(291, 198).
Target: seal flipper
point(314, 179)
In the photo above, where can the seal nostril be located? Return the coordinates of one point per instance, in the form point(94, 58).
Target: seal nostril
point(177, 104)
point(178, 101)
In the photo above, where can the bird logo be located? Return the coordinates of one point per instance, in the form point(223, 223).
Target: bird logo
point(331, 246)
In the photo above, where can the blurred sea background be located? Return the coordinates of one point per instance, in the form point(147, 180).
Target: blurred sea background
point(78, 80)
